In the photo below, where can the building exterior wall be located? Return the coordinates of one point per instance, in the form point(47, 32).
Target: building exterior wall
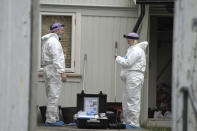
point(144, 36)
point(110, 3)
point(15, 43)
point(184, 61)
point(98, 42)
point(99, 29)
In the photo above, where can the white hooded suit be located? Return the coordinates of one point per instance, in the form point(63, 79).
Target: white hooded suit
point(133, 68)
point(54, 64)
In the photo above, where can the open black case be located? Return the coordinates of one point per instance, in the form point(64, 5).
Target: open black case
point(91, 111)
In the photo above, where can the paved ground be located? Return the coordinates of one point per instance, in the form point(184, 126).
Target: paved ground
point(74, 128)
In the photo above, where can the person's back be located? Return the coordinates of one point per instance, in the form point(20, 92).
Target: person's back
point(140, 64)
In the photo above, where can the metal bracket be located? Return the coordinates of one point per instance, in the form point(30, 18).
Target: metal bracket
point(194, 25)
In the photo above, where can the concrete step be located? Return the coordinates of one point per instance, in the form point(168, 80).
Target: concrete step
point(74, 128)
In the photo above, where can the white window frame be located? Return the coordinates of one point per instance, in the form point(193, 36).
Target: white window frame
point(72, 69)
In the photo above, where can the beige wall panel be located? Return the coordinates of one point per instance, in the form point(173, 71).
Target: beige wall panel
point(113, 3)
point(144, 36)
point(98, 38)
point(67, 97)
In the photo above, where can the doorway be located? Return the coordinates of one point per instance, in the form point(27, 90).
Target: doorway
point(160, 67)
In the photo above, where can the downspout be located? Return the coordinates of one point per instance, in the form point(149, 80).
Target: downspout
point(139, 21)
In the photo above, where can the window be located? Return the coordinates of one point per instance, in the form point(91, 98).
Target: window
point(68, 40)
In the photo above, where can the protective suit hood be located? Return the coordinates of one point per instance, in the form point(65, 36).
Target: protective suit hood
point(143, 45)
point(47, 36)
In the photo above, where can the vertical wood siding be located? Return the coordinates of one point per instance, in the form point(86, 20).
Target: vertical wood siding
point(98, 37)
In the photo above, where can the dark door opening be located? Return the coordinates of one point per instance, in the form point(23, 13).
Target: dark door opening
point(160, 66)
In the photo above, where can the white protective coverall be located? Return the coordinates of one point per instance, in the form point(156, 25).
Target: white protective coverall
point(133, 68)
point(54, 64)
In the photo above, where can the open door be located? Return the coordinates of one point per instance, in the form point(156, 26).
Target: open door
point(160, 67)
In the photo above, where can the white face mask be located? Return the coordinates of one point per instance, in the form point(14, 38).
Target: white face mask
point(60, 37)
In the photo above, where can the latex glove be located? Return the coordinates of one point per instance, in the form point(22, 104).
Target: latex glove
point(64, 77)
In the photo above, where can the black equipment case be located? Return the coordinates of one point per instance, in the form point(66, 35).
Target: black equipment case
point(99, 101)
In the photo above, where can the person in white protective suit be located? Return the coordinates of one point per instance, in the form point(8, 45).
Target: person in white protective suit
point(53, 62)
point(132, 74)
